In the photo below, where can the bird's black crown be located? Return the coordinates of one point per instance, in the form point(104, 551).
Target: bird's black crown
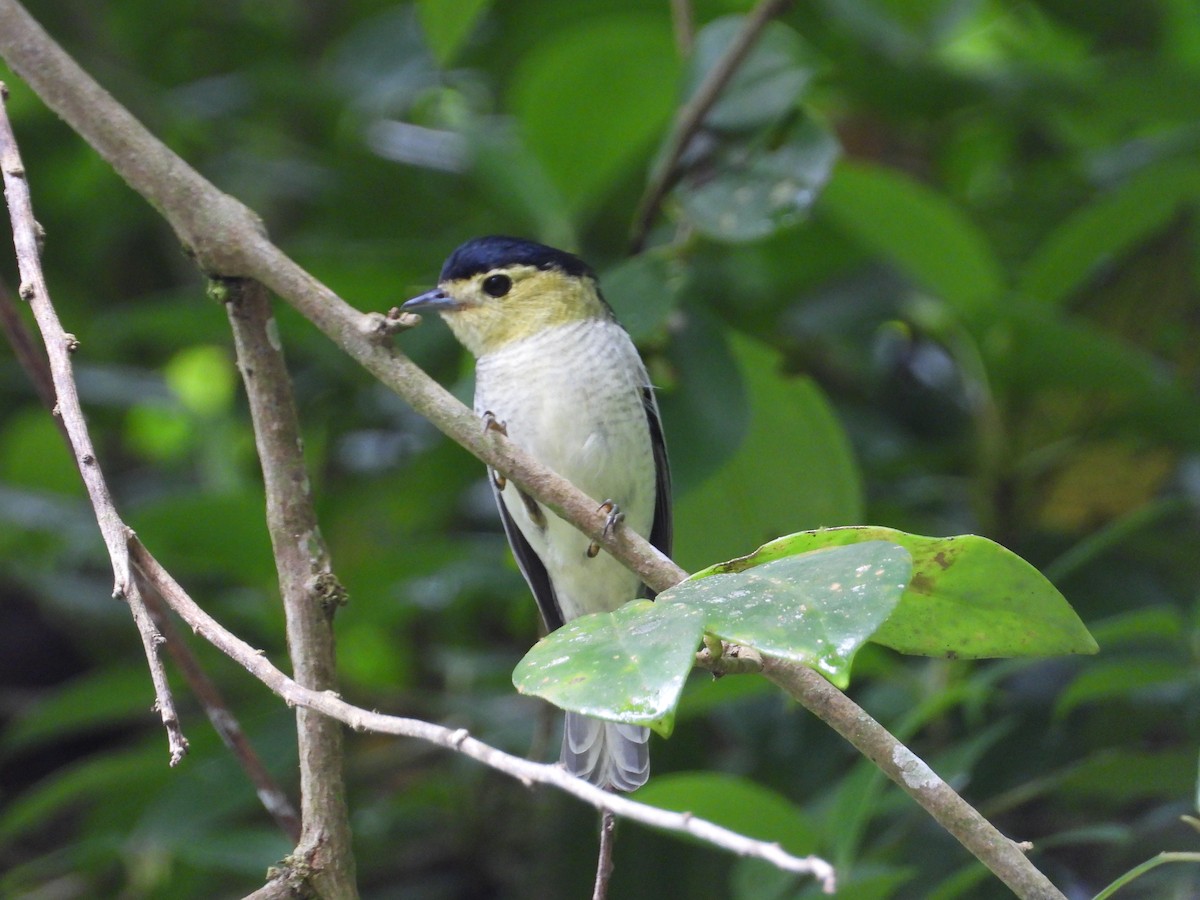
point(496, 251)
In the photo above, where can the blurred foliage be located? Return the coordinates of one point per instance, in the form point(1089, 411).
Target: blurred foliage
point(983, 319)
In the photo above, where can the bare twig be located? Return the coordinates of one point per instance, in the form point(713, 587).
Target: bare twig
point(692, 113)
point(226, 237)
point(59, 347)
point(29, 357)
point(330, 704)
point(272, 796)
point(224, 722)
point(684, 26)
point(604, 859)
point(311, 593)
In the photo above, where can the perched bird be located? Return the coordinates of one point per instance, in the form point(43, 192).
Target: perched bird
point(555, 371)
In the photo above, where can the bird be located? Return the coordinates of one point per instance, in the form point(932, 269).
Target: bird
point(563, 380)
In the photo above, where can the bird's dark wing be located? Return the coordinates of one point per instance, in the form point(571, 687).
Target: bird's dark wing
point(661, 530)
point(530, 565)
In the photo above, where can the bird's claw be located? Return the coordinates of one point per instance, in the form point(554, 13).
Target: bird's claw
point(615, 517)
point(491, 423)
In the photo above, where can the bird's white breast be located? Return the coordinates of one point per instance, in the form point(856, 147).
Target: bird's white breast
point(572, 396)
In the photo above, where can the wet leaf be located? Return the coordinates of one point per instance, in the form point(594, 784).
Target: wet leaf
point(624, 666)
point(813, 608)
point(968, 597)
point(747, 191)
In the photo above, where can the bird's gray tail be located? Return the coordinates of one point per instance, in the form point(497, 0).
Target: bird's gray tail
point(608, 754)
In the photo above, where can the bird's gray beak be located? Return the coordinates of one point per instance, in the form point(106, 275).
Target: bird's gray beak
point(437, 300)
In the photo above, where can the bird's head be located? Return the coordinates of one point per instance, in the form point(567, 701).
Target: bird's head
point(496, 290)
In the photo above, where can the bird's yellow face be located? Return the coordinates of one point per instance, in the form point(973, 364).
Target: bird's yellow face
point(491, 309)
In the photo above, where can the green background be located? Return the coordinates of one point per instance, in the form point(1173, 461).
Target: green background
point(984, 319)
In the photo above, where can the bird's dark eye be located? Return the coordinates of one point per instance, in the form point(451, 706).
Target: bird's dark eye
point(497, 285)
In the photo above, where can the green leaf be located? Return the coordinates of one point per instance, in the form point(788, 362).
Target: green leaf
point(1099, 234)
point(625, 666)
point(509, 174)
point(643, 291)
point(737, 804)
point(794, 468)
point(968, 597)
point(814, 608)
point(1123, 681)
point(744, 193)
point(587, 146)
point(448, 23)
point(917, 229)
point(1132, 775)
point(767, 84)
point(705, 407)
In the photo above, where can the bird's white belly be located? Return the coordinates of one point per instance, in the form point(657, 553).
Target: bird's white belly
point(572, 397)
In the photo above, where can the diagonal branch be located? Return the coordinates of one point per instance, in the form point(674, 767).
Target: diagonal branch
point(59, 347)
point(692, 114)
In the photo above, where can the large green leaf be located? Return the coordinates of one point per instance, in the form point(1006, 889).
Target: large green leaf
point(794, 468)
point(625, 666)
point(917, 229)
point(1100, 233)
point(968, 597)
point(814, 608)
point(643, 291)
point(588, 117)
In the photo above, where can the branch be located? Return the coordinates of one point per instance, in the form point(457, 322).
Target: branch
point(272, 796)
point(238, 246)
point(311, 593)
point(59, 347)
point(459, 740)
point(604, 859)
point(684, 25)
point(691, 116)
point(1003, 856)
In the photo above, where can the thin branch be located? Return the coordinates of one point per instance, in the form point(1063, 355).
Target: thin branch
point(604, 858)
point(59, 347)
point(459, 740)
point(226, 237)
point(684, 25)
point(310, 591)
point(29, 357)
point(272, 796)
point(692, 114)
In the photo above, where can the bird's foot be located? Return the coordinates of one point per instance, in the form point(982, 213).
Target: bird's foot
point(491, 423)
point(615, 518)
